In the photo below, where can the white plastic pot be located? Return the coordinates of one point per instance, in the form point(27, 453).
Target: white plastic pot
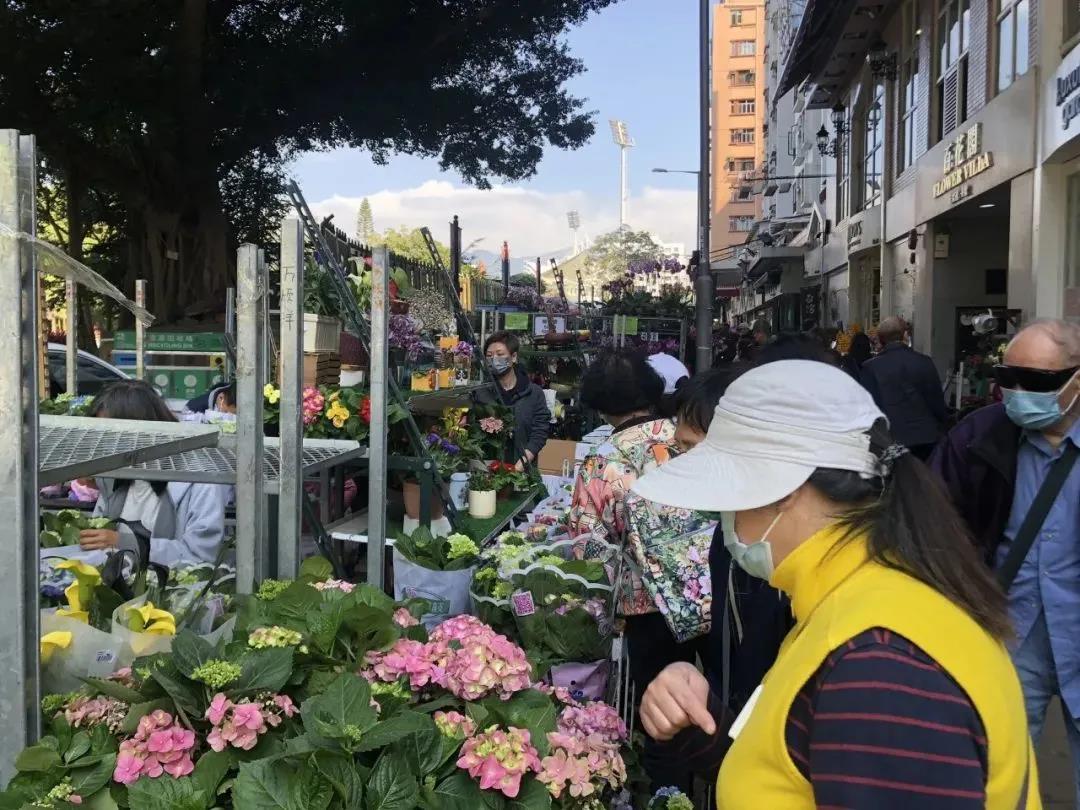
point(459, 489)
point(481, 504)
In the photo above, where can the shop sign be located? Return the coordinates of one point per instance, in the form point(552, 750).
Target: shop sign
point(811, 297)
point(1067, 85)
point(854, 234)
point(964, 159)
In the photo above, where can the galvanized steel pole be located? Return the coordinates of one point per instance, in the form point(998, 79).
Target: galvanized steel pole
point(704, 287)
point(291, 483)
point(19, 602)
point(250, 379)
point(71, 296)
point(140, 331)
point(377, 444)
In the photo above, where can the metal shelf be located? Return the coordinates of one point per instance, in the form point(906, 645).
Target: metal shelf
point(217, 465)
point(71, 447)
point(431, 401)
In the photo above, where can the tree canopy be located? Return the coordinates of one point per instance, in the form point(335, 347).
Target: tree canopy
point(409, 243)
point(189, 110)
point(612, 254)
point(365, 222)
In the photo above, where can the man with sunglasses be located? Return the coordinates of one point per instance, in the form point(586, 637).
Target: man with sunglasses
point(1012, 471)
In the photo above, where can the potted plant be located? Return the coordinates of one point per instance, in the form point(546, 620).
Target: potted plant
point(491, 427)
point(435, 569)
point(481, 494)
point(322, 327)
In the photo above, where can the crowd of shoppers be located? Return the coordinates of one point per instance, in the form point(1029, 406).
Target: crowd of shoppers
point(884, 631)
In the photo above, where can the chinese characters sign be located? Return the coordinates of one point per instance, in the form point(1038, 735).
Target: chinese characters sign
point(964, 158)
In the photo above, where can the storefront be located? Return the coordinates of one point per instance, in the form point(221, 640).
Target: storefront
point(864, 267)
point(1057, 284)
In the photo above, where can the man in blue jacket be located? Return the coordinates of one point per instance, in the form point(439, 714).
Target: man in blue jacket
point(906, 386)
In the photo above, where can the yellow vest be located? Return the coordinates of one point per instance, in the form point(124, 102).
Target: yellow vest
point(841, 594)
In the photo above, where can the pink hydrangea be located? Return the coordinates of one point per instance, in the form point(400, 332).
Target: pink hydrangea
point(84, 712)
point(158, 746)
point(581, 766)
point(593, 719)
point(463, 656)
point(404, 619)
point(312, 405)
point(240, 725)
point(499, 759)
point(454, 724)
point(491, 424)
point(334, 585)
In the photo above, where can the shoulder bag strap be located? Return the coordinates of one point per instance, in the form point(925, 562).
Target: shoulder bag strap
point(1036, 516)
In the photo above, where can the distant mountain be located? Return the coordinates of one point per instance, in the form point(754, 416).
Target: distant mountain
point(518, 264)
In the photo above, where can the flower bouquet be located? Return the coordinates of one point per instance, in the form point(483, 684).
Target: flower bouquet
point(277, 718)
point(491, 428)
point(436, 569)
point(670, 798)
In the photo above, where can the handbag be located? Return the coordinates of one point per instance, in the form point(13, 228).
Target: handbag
point(1036, 516)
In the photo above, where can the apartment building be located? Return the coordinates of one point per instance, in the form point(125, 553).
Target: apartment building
point(738, 119)
point(951, 149)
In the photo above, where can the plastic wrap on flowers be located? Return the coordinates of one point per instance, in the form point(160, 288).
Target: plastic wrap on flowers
point(88, 653)
point(447, 592)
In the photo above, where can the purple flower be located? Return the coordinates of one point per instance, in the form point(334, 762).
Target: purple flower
point(433, 439)
point(450, 448)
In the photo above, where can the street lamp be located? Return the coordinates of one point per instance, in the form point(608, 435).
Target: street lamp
point(882, 63)
point(621, 135)
point(839, 121)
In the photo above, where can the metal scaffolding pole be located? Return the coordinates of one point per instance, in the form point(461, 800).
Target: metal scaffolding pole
point(704, 285)
point(377, 447)
point(230, 329)
point(251, 562)
point(19, 633)
point(292, 428)
point(71, 377)
point(140, 331)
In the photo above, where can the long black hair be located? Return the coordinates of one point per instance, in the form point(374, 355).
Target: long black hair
point(131, 399)
point(621, 381)
point(912, 526)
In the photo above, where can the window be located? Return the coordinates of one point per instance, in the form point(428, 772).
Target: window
point(743, 106)
point(1072, 232)
point(743, 47)
point(1072, 19)
point(907, 146)
point(741, 224)
point(953, 38)
point(843, 171)
point(740, 194)
point(873, 147)
point(740, 164)
point(742, 136)
point(1013, 38)
point(737, 16)
point(741, 78)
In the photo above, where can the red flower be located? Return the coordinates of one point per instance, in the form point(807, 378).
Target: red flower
point(500, 466)
point(365, 410)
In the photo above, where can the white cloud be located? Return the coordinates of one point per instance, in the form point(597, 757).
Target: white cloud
point(533, 222)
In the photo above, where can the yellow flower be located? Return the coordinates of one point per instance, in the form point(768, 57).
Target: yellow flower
point(80, 592)
point(338, 414)
point(81, 570)
point(272, 394)
point(149, 619)
point(338, 422)
point(51, 642)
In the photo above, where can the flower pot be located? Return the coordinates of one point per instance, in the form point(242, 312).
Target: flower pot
point(482, 504)
point(410, 491)
point(459, 490)
point(321, 334)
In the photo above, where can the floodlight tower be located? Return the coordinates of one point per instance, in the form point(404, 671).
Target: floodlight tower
point(573, 219)
point(622, 139)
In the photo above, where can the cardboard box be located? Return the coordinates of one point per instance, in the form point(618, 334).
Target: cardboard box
point(554, 453)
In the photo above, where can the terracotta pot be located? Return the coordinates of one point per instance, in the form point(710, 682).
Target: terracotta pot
point(481, 504)
point(410, 491)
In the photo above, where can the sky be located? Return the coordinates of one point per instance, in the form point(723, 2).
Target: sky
point(641, 66)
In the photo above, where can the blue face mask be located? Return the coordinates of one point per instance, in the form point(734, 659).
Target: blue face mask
point(753, 558)
point(1034, 410)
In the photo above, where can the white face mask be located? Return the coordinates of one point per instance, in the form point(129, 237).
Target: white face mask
point(754, 558)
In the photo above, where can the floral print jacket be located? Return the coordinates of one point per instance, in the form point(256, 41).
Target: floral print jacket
point(668, 545)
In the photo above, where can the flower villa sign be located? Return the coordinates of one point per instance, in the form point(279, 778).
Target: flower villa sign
point(964, 159)
point(1069, 103)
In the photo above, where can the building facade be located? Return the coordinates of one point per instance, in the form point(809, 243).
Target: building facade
point(738, 118)
point(951, 163)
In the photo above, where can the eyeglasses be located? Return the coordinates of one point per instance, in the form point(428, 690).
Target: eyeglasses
point(1037, 380)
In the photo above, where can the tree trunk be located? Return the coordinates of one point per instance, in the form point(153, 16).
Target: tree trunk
point(76, 195)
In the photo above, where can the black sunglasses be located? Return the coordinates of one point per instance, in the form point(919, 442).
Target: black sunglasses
point(1037, 380)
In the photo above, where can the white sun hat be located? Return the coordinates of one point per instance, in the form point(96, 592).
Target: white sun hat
point(775, 425)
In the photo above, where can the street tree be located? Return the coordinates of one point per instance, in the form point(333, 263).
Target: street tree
point(179, 107)
point(409, 243)
point(612, 254)
point(365, 222)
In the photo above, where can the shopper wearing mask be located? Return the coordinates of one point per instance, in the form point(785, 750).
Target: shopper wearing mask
point(512, 388)
point(894, 688)
point(1011, 471)
point(176, 521)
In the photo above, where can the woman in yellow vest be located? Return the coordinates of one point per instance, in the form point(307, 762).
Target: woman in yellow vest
point(894, 689)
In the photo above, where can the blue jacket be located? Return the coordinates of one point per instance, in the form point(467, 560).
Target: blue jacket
point(906, 386)
point(190, 524)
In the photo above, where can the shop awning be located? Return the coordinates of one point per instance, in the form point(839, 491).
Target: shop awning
point(831, 44)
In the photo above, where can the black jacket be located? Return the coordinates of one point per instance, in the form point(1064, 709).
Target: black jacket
point(906, 386)
point(532, 420)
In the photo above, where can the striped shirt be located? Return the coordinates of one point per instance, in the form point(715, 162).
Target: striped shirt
point(881, 725)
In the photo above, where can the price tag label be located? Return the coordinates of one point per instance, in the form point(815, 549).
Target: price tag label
point(522, 603)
